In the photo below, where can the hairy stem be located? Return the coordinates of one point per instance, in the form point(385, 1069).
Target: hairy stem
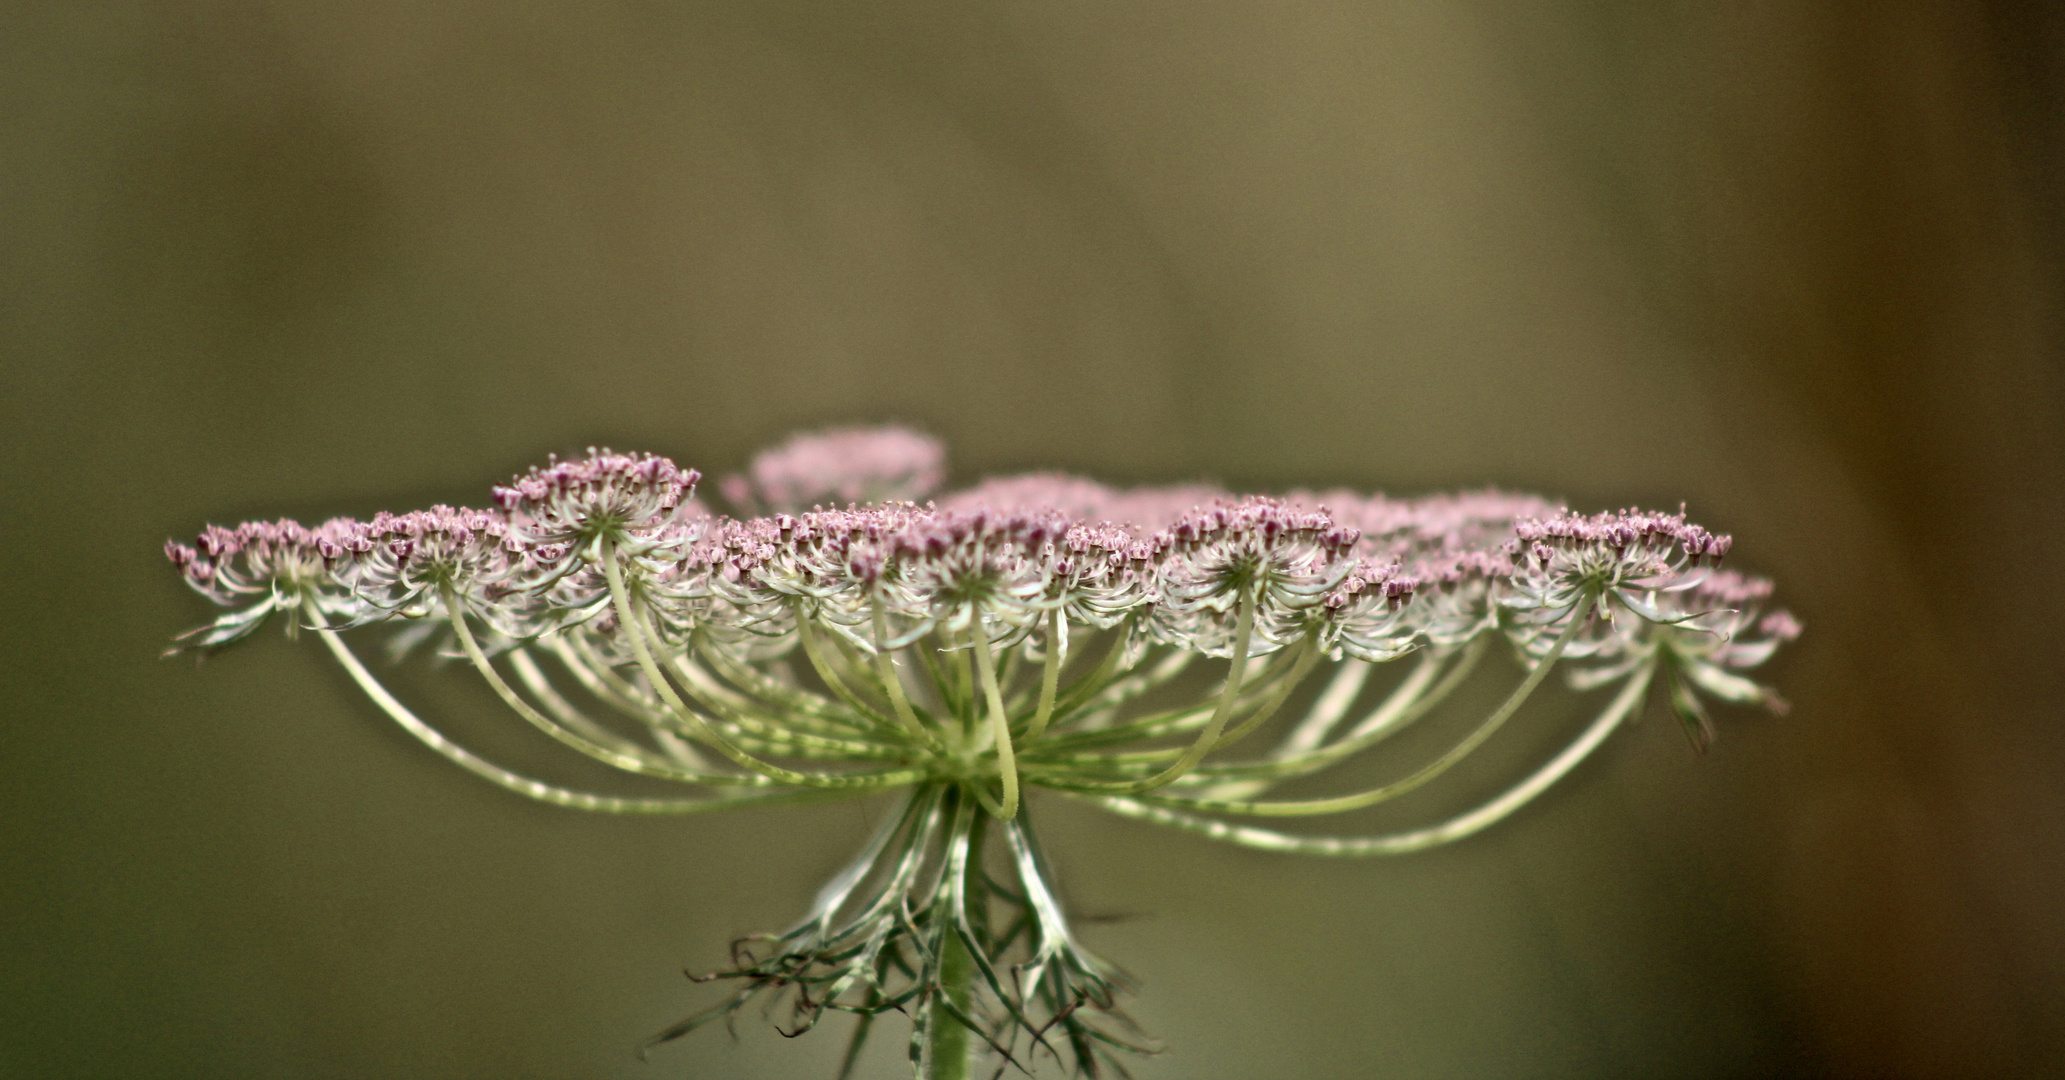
point(948, 1044)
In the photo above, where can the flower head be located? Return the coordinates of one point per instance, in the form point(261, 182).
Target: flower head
point(1260, 550)
point(400, 563)
point(1028, 632)
point(625, 498)
point(842, 466)
point(1620, 556)
point(262, 568)
point(979, 564)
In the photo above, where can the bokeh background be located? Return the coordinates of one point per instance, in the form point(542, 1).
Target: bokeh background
point(1796, 263)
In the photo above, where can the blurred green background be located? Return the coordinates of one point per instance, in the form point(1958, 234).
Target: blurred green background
point(1796, 263)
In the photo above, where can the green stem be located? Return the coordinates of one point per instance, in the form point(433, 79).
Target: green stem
point(830, 675)
point(1000, 724)
point(1427, 772)
point(948, 1041)
point(1308, 656)
point(1244, 625)
point(946, 1055)
point(631, 625)
point(516, 782)
point(633, 762)
point(892, 684)
point(1050, 678)
point(1455, 828)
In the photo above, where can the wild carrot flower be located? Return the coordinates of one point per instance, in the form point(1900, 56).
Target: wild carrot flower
point(1003, 638)
point(847, 465)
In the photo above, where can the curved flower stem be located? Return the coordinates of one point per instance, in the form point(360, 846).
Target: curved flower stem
point(1340, 692)
point(597, 677)
point(516, 782)
point(753, 712)
point(1308, 656)
point(1050, 677)
point(1243, 637)
point(804, 707)
point(1394, 714)
point(942, 683)
point(770, 728)
point(634, 631)
point(1008, 663)
point(892, 685)
point(1063, 748)
point(825, 671)
point(963, 682)
point(1455, 828)
point(1265, 692)
point(533, 678)
point(775, 733)
point(1427, 772)
point(999, 721)
point(1084, 691)
point(1243, 634)
point(1400, 709)
point(629, 762)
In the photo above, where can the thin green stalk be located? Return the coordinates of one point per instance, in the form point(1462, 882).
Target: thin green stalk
point(808, 635)
point(533, 679)
point(892, 684)
point(1243, 634)
point(819, 714)
point(516, 782)
point(1389, 719)
point(598, 677)
point(1087, 694)
point(999, 721)
point(707, 688)
point(1455, 828)
point(1333, 703)
point(751, 731)
point(1396, 788)
point(1299, 669)
point(777, 733)
point(942, 686)
point(1050, 678)
point(634, 632)
point(639, 762)
point(1060, 748)
point(1396, 713)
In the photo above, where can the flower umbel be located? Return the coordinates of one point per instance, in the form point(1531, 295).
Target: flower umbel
point(1030, 632)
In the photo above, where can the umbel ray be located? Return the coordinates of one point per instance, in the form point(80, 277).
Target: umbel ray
point(837, 638)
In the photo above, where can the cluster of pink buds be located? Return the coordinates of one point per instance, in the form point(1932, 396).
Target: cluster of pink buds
point(1025, 633)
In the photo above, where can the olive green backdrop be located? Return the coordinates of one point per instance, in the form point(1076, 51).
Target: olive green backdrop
point(1794, 262)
